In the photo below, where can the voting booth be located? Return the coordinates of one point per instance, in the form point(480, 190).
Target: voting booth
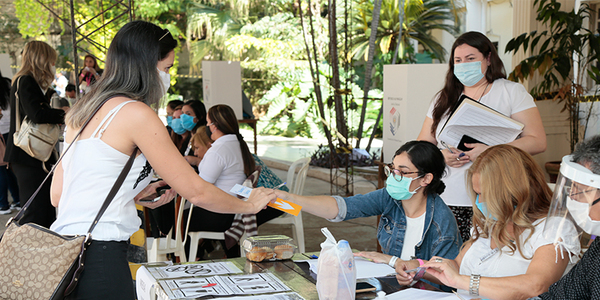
point(222, 84)
point(408, 90)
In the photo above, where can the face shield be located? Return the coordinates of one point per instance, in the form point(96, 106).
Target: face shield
point(575, 197)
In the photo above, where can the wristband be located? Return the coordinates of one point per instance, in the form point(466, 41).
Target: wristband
point(392, 262)
point(474, 285)
point(421, 263)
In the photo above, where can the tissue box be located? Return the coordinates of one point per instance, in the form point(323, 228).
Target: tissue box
point(269, 247)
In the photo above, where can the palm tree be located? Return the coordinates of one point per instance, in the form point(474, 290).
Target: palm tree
point(421, 17)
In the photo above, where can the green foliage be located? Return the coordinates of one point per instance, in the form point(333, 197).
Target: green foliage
point(421, 17)
point(564, 58)
point(293, 107)
point(34, 18)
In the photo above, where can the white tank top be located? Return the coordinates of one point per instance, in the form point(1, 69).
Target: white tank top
point(90, 169)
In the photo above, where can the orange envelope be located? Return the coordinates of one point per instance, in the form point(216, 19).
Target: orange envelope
point(286, 206)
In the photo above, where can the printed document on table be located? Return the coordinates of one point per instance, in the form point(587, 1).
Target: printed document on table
point(480, 122)
point(246, 284)
point(193, 270)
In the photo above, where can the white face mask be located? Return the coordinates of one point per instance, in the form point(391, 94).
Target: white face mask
point(580, 212)
point(165, 78)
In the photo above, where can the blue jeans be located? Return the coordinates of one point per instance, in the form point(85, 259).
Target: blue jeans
point(8, 182)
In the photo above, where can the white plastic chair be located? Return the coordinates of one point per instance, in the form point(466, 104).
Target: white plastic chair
point(195, 236)
point(296, 185)
point(158, 247)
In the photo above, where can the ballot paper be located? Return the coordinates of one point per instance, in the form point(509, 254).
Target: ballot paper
point(364, 268)
point(193, 270)
point(246, 284)
point(421, 295)
point(280, 204)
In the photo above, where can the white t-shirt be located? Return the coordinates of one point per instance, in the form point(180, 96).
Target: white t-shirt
point(481, 259)
point(412, 236)
point(504, 96)
point(223, 164)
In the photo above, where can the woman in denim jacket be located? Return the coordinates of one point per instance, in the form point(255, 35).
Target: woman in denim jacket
point(415, 221)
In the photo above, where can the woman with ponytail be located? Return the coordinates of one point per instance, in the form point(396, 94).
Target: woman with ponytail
point(228, 162)
point(415, 222)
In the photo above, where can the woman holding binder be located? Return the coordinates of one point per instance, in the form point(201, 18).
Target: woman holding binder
point(475, 70)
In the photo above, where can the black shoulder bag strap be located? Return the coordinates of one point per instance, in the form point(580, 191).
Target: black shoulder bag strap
point(109, 197)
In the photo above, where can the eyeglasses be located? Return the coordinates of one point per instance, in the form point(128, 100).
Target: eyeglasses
point(575, 190)
point(398, 174)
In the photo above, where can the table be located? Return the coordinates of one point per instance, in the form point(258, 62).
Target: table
point(297, 276)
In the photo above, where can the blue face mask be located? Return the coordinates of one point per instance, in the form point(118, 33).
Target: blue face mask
point(169, 120)
point(400, 190)
point(483, 209)
point(468, 73)
point(187, 122)
point(177, 126)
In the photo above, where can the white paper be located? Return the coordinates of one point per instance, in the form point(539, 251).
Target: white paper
point(412, 293)
point(246, 284)
point(364, 268)
point(241, 190)
point(192, 270)
point(480, 124)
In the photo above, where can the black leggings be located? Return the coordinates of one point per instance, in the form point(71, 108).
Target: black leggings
point(106, 273)
point(29, 178)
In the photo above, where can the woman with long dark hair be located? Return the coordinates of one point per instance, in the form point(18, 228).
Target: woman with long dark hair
point(475, 70)
point(32, 84)
point(130, 89)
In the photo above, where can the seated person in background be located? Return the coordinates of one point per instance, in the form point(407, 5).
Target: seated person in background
point(193, 116)
point(507, 256)
point(200, 142)
point(226, 163)
point(171, 107)
point(415, 223)
point(580, 198)
point(71, 93)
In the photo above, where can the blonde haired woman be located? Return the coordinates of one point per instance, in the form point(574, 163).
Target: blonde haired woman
point(31, 84)
point(507, 257)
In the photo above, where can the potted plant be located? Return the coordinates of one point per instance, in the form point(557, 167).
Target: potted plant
point(563, 55)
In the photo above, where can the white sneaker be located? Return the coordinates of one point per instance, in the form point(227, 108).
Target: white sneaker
point(15, 206)
point(5, 211)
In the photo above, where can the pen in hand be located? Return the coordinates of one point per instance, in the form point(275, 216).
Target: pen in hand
point(446, 146)
point(279, 186)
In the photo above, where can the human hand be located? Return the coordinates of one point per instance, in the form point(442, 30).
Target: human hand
point(283, 195)
point(446, 271)
point(477, 148)
point(456, 159)
point(402, 277)
point(259, 198)
point(150, 191)
point(376, 257)
point(193, 160)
